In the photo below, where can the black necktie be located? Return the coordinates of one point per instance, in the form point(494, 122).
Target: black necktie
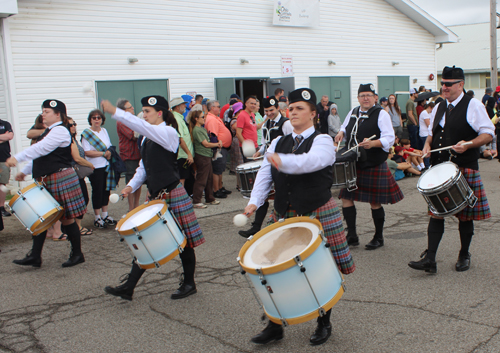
point(272, 123)
point(298, 139)
point(450, 107)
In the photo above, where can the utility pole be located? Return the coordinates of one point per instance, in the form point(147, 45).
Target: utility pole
point(493, 43)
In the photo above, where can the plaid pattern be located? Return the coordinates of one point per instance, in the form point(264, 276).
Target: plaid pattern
point(481, 209)
point(182, 208)
point(330, 219)
point(375, 185)
point(96, 142)
point(64, 186)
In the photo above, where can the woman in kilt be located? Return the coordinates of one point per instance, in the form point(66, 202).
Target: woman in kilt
point(375, 182)
point(158, 168)
point(300, 165)
point(52, 166)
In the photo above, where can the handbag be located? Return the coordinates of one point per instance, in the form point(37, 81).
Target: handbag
point(82, 171)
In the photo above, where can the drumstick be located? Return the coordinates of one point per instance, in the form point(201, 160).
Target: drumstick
point(349, 150)
point(449, 147)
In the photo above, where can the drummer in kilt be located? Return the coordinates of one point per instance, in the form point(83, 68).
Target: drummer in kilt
point(454, 121)
point(375, 182)
point(52, 166)
point(158, 168)
point(300, 165)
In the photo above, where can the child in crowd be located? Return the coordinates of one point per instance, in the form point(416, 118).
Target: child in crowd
point(412, 155)
point(403, 165)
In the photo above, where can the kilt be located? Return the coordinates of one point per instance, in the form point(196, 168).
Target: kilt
point(375, 185)
point(481, 209)
point(64, 186)
point(182, 208)
point(329, 217)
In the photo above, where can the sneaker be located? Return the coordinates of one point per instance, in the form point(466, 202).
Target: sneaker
point(219, 194)
point(199, 205)
point(214, 202)
point(99, 223)
point(110, 221)
point(227, 192)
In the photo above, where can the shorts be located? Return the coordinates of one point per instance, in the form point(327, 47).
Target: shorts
point(219, 165)
point(4, 173)
point(185, 170)
point(130, 165)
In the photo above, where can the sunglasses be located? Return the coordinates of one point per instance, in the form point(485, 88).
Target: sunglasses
point(96, 117)
point(70, 125)
point(449, 84)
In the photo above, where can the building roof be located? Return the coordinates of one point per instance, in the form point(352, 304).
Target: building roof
point(433, 26)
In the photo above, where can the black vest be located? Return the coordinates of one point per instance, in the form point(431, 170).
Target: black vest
point(456, 129)
point(161, 167)
point(302, 192)
point(276, 130)
point(55, 160)
point(367, 127)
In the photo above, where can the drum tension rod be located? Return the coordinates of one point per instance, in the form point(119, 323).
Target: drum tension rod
point(299, 263)
point(269, 291)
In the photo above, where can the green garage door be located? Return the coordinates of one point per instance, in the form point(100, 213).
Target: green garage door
point(131, 90)
point(338, 89)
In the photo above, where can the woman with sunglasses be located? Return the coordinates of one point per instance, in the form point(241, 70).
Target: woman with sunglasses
point(51, 165)
point(95, 143)
point(158, 168)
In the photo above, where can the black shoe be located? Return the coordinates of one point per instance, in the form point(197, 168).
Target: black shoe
point(463, 263)
point(74, 260)
point(374, 244)
point(124, 291)
point(227, 192)
point(99, 223)
point(29, 261)
point(219, 194)
point(248, 233)
point(5, 213)
point(352, 240)
point(185, 290)
point(232, 173)
point(321, 334)
point(272, 332)
point(424, 265)
point(110, 221)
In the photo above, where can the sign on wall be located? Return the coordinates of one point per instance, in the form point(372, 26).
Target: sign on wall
point(286, 65)
point(296, 13)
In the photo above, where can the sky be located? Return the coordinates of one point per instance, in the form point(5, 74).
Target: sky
point(457, 12)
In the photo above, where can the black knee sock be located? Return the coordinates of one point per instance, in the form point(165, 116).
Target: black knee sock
point(325, 320)
point(135, 275)
point(466, 230)
point(188, 259)
point(378, 216)
point(74, 237)
point(260, 215)
point(350, 219)
point(435, 232)
point(38, 241)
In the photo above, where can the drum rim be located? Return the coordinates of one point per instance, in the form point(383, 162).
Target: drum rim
point(162, 261)
point(144, 225)
point(447, 183)
point(23, 191)
point(49, 224)
point(304, 254)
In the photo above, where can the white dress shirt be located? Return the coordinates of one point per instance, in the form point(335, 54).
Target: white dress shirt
point(58, 136)
point(97, 162)
point(424, 129)
point(166, 136)
point(287, 128)
point(321, 155)
point(384, 124)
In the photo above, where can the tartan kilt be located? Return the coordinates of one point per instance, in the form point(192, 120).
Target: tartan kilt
point(329, 217)
point(182, 208)
point(481, 209)
point(64, 186)
point(375, 185)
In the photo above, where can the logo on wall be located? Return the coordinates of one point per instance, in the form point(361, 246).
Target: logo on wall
point(296, 13)
point(283, 13)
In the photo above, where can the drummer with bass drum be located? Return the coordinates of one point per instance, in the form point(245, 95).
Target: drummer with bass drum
point(300, 165)
point(453, 122)
point(158, 168)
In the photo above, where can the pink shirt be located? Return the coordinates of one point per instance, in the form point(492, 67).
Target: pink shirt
point(215, 125)
point(248, 126)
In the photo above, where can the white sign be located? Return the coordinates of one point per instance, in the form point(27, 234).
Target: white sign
point(296, 13)
point(286, 66)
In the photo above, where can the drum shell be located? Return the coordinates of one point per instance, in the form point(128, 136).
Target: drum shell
point(344, 175)
point(246, 174)
point(154, 242)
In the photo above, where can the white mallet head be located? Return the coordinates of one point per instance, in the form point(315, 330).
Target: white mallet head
point(240, 220)
point(4, 189)
point(113, 198)
point(248, 148)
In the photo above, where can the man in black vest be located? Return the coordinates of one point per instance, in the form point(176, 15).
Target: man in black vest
point(375, 182)
point(275, 125)
point(302, 175)
point(456, 120)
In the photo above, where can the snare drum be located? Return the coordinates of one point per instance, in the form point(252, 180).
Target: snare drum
point(292, 270)
point(246, 174)
point(445, 189)
point(152, 234)
point(344, 172)
point(35, 207)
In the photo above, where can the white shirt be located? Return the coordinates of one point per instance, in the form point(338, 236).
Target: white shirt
point(166, 136)
point(384, 124)
point(424, 129)
point(98, 162)
point(321, 155)
point(287, 128)
point(59, 136)
point(477, 117)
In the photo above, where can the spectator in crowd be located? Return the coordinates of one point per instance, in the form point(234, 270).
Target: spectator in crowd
point(236, 155)
point(412, 119)
point(223, 110)
point(439, 98)
point(397, 173)
point(470, 93)
point(278, 93)
point(203, 160)
point(334, 122)
point(204, 105)
point(6, 134)
point(412, 155)
point(129, 151)
point(198, 99)
point(487, 94)
point(421, 89)
point(215, 127)
point(78, 155)
point(395, 113)
point(283, 108)
point(490, 106)
point(496, 95)
point(259, 121)
point(323, 112)
point(424, 121)
point(95, 143)
point(420, 107)
point(384, 103)
point(36, 130)
point(403, 164)
point(489, 151)
point(246, 128)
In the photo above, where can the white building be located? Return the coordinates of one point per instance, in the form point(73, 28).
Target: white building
point(82, 51)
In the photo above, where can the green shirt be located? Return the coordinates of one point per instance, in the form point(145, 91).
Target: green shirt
point(258, 119)
point(200, 135)
point(184, 134)
point(410, 106)
point(393, 166)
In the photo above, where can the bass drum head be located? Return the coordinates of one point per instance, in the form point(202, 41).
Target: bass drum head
point(437, 175)
point(141, 216)
point(249, 165)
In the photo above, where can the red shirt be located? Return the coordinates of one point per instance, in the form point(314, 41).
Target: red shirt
point(223, 110)
point(129, 151)
point(214, 125)
point(405, 155)
point(248, 126)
